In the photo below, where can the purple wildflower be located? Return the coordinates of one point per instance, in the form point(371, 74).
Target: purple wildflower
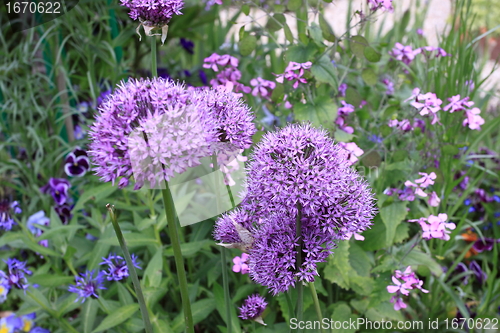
point(484, 245)
point(386, 5)
point(6, 210)
point(262, 87)
point(389, 86)
point(87, 285)
point(38, 218)
point(473, 119)
point(10, 324)
point(240, 264)
point(76, 163)
point(478, 272)
point(117, 267)
point(58, 188)
point(4, 287)
point(410, 281)
point(64, 212)
point(16, 271)
point(342, 89)
point(462, 268)
point(187, 45)
point(253, 307)
point(153, 128)
point(403, 53)
point(155, 12)
point(294, 72)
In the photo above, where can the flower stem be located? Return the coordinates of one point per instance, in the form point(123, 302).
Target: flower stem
point(300, 287)
point(225, 278)
point(179, 260)
point(316, 304)
point(290, 305)
point(135, 279)
point(154, 69)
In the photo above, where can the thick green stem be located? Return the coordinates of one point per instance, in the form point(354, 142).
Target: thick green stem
point(300, 288)
point(154, 66)
point(316, 304)
point(290, 305)
point(179, 260)
point(135, 279)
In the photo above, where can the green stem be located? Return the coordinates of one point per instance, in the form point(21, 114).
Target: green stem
point(316, 304)
point(300, 287)
point(225, 278)
point(154, 69)
point(179, 260)
point(290, 305)
point(131, 269)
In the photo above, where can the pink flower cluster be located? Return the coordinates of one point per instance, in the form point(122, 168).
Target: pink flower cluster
point(294, 72)
point(241, 264)
point(409, 282)
point(406, 54)
point(429, 104)
point(352, 150)
point(386, 5)
point(435, 226)
point(416, 188)
point(343, 112)
point(405, 125)
point(229, 74)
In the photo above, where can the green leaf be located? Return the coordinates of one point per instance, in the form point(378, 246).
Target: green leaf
point(384, 311)
point(359, 260)
point(342, 136)
point(132, 239)
point(375, 236)
point(371, 54)
point(352, 97)
point(51, 280)
point(401, 233)
point(288, 33)
point(326, 29)
point(293, 5)
point(58, 231)
point(278, 93)
point(369, 76)
point(275, 23)
point(97, 193)
point(338, 268)
point(342, 312)
point(301, 53)
point(88, 315)
point(189, 249)
point(247, 45)
point(315, 33)
point(324, 71)
point(221, 308)
point(124, 295)
point(245, 9)
point(153, 272)
point(200, 310)
point(357, 45)
point(450, 150)
point(322, 113)
point(117, 317)
point(392, 216)
point(417, 257)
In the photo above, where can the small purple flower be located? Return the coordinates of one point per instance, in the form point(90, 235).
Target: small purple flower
point(480, 275)
point(76, 163)
point(38, 218)
point(39, 330)
point(187, 45)
point(486, 245)
point(6, 210)
point(404, 53)
point(389, 86)
point(58, 188)
point(16, 271)
point(252, 308)
point(154, 12)
point(11, 324)
point(64, 212)
point(87, 285)
point(117, 267)
point(462, 268)
point(4, 287)
point(203, 77)
point(342, 89)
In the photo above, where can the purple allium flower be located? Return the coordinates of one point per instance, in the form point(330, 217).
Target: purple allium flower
point(253, 307)
point(87, 285)
point(154, 12)
point(16, 271)
point(154, 128)
point(297, 166)
point(76, 163)
point(117, 267)
point(58, 188)
point(6, 210)
point(480, 275)
point(102, 97)
point(187, 45)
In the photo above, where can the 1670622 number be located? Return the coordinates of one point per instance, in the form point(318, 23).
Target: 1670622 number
point(33, 7)
point(472, 323)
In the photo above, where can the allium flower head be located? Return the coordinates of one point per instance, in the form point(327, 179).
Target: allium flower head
point(76, 163)
point(154, 12)
point(117, 267)
point(7, 209)
point(252, 308)
point(87, 285)
point(297, 166)
point(155, 128)
point(58, 188)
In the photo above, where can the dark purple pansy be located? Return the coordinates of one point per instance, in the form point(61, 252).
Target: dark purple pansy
point(480, 275)
point(76, 163)
point(486, 245)
point(64, 213)
point(462, 268)
point(203, 77)
point(187, 45)
point(58, 188)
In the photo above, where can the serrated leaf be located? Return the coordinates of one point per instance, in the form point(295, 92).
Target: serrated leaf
point(357, 45)
point(342, 136)
point(392, 216)
point(117, 317)
point(371, 54)
point(338, 268)
point(247, 45)
point(369, 76)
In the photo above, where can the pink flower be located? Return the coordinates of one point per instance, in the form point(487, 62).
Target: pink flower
point(342, 89)
point(386, 5)
point(240, 264)
point(434, 200)
point(428, 104)
point(353, 151)
point(399, 287)
point(426, 180)
point(404, 53)
point(262, 87)
point(474, 120)
point(457, 104)
point(291, 73)
point(345, 109)
point(398, 303)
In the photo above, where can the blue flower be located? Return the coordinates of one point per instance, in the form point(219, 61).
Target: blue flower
point(16, 274)
point(10, 324)
point(38, 218)
point(117, 267)
point(28, 321)
point(6, 210)
point(187, 45)
point(87, 285)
